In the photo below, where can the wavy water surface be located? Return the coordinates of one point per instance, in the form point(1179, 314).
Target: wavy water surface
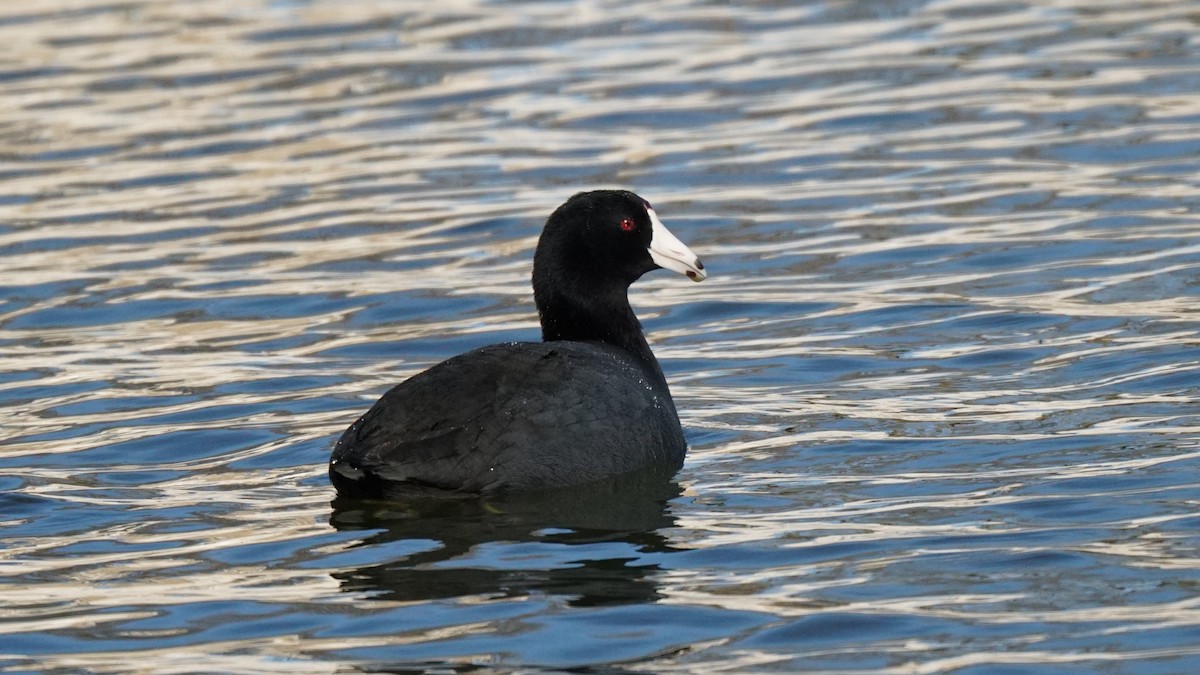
point(940, 387)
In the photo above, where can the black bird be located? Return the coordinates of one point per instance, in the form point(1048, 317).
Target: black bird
point(588, 403)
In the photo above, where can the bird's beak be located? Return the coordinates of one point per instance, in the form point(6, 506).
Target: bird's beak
point(671, 254)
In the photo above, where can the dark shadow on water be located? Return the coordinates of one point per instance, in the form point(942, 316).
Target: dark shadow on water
point(628, 512)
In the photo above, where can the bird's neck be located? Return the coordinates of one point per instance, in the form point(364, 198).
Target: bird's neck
point(605, 316)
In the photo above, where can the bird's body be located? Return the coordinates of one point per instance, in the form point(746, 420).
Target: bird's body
point(422, 435)
point(588, 403)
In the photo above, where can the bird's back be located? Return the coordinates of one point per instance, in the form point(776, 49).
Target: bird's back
point(512, 416)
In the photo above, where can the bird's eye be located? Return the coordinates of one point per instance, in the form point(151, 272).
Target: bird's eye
point(627, 225)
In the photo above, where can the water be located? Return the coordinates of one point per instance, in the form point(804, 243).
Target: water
point(940, 388)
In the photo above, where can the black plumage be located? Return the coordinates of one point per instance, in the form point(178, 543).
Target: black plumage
point(588, 403)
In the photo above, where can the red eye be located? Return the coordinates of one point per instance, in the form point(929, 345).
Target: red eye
point(627, 225)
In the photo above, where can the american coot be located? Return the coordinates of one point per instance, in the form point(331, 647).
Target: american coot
point(588, 403)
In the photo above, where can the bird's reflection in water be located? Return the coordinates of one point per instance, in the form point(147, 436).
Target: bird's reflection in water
point(611, 523)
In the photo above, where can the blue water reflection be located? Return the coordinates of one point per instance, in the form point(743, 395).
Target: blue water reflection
point(939, 389)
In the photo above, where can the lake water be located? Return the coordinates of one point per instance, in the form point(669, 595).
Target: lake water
point(941, 387)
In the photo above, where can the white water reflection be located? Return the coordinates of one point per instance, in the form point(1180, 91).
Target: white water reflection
point(940, 385)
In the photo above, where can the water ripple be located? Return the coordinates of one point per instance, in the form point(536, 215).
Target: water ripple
point(940, 388)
